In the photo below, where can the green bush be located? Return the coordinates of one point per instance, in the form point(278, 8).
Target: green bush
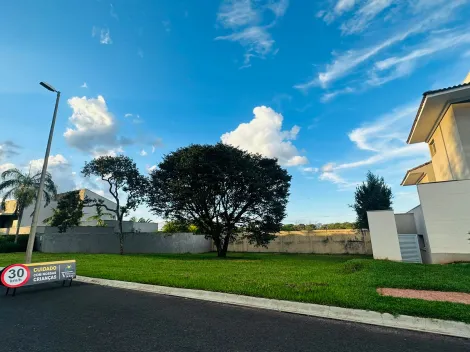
point(8, 245)
point(179, 226)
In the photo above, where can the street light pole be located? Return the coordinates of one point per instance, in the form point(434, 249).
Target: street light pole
point(34, 224)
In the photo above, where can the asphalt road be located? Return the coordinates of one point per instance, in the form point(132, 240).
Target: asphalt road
point(86, 317)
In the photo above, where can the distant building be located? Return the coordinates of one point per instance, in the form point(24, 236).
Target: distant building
point(436, 231)
point(8, 218)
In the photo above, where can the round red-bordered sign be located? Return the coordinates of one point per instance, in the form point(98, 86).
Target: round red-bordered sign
point(15, 275)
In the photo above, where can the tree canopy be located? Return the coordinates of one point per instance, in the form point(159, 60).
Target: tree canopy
point(124, 180)
point(179, 226)
point(373, 194)
point(68, 213)
point(141, 220)
point(224, 191)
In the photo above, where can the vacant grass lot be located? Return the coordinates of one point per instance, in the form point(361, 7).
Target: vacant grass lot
point(344, 281)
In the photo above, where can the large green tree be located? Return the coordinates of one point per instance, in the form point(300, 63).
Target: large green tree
point(125, 184)
point(68, 213)
point(224, 191)
point(373, 194)
point(23, 188)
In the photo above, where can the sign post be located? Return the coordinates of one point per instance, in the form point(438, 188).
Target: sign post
point(19, 275)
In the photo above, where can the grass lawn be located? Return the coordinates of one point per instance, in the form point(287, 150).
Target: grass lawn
point(344, 281)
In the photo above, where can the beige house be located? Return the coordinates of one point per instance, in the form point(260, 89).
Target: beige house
point(437, 230)
point(443, 122)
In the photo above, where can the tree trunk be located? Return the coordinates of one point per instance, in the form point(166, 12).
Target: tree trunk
point(222, 248)
point(121, 237)
point(220, 252)
point(18, 225)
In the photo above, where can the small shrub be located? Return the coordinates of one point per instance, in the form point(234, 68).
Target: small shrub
point(353, 266)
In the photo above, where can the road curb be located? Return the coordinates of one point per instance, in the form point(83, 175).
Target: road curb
point(435, 326)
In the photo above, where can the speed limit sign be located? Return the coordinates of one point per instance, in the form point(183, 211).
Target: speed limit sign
point(15, 275)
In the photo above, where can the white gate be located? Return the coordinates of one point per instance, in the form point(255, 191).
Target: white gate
point(409, 248)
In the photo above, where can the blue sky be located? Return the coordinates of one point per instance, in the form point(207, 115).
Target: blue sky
point(329, 87)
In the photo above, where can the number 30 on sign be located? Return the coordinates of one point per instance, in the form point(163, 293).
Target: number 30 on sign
point(15, 275)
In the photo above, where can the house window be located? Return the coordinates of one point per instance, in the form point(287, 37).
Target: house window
point(432, 147)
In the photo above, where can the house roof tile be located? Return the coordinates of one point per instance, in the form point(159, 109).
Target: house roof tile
point(429, 92)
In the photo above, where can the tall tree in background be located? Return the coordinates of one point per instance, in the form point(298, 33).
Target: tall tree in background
point(68, 213)
point(24, 188)
point(373, 194)
point(124, 180)
point(224, 191)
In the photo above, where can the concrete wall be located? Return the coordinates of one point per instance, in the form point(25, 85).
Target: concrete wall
point(384, 235)
point(127, 226)
point(104, 240)
point(349, 232)
point(419, 220)
point(445, 207)
point(335, 244)
point(422, 233)
point(145, 226)
point(405, 223)
point(449, 161)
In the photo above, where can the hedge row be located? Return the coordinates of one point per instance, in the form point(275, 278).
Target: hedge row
point(8, 245)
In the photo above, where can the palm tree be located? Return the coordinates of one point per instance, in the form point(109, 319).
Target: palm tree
point(97, 217)
point(145, 220)
point(133, 219)
point(24, 189)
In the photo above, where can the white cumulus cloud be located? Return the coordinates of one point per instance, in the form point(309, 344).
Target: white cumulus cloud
point(150, 168)
point(59, 168)
point(55, 162)
point(264, 135)
point(94, 127)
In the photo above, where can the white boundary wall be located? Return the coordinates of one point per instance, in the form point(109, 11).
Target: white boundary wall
point(446, 212)
point(384, 235)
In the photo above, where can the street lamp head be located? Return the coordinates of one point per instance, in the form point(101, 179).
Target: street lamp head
point(48, 86)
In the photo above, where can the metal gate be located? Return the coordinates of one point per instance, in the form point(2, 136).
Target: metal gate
point(409, 248)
